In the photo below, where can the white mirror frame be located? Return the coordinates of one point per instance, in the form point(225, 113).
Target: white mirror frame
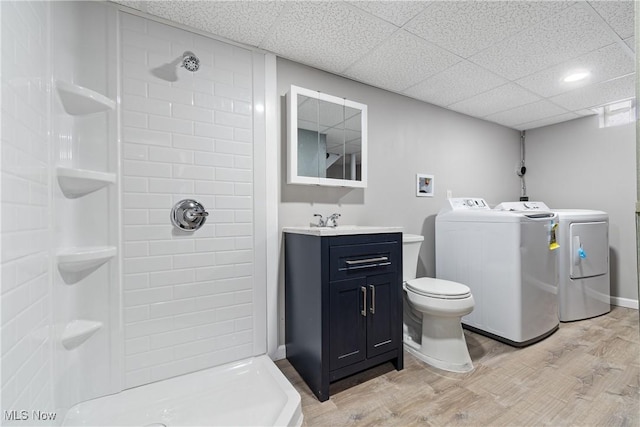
point(292, 140)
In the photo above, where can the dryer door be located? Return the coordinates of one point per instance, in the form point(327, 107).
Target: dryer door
point(589, 249)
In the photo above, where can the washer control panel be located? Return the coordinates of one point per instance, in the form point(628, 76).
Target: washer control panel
point(467, 203)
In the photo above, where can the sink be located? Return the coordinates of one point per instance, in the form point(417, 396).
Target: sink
point(342, 230)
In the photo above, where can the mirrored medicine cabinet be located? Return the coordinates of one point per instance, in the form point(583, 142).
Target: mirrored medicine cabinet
point(327, 140)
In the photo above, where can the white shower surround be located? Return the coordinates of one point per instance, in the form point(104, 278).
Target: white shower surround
point(86, 215)
point(197, 300)
point(26, 207)
point(30, 332)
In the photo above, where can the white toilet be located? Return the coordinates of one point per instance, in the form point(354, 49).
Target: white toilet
point(432, 312)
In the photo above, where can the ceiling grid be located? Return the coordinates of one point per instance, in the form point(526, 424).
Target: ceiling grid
point(501, 61)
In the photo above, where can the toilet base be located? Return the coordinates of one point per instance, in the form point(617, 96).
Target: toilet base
point(443, 345)
point(414, 349)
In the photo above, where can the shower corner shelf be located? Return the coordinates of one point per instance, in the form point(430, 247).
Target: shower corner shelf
point(78, 100)
point(75, 260)
point(79, 182)
point(78, 331)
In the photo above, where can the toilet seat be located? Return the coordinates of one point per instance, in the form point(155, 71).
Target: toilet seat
point(438, 288)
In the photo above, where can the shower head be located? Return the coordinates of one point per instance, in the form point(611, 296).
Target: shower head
point(169, 71)
point(190, 62)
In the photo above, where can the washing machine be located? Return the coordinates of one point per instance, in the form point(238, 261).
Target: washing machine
point(506, 257)
point(583, 263)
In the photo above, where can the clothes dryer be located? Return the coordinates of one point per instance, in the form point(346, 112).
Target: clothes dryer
point(583, 263)
point(505, 257)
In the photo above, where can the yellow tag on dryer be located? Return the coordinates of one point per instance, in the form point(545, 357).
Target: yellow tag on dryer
point(553, 241)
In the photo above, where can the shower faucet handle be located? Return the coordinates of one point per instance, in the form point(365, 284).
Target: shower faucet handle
point(188, 215)
point(195, 212)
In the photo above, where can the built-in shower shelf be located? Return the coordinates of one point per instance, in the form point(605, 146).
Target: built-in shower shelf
point(78, 331)
point(78, 100)
point(79, 182)
point(75, 260)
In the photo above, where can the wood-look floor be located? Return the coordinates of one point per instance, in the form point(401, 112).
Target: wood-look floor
point(586, 374)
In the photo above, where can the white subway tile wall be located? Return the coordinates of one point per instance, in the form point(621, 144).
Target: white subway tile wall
point(26, 291)
point(188, 298)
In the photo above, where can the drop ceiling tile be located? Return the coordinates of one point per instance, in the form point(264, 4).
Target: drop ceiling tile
point(495, 100)
point(396, 12)
point(461, 81)
point(326, 35)
point(585, 112)
point(525, 40)
point(243, 21)
point(467, 27)
point(527, 113)
point(130, 3)
point(631, 42)
point(571, 33)
point(401, 61)
point(618, 14)
point(603, 64)
point(546, 122)
point(598, 94)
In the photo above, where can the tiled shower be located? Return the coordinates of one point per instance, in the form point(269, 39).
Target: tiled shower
point(188, 299)
point(26, 207)
point(102, 133)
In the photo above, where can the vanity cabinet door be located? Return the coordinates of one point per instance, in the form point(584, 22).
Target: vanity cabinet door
point(348, 308)
point(364, 318)
point(383, 315)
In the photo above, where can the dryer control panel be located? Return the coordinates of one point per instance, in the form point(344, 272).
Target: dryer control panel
point(522, 206)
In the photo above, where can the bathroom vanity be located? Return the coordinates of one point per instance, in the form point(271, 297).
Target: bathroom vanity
point(343, 301)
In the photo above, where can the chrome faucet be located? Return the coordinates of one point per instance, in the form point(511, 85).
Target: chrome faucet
point(321, 222)
point(330, 221)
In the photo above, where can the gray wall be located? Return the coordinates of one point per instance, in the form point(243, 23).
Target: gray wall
point(468, 156)
point(578, 165)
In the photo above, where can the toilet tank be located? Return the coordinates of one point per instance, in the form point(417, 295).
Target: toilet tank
point(410, 252)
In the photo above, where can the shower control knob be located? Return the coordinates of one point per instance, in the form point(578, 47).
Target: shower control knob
point(188, 215)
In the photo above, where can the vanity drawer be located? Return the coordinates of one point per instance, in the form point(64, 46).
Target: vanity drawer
point(347, 261)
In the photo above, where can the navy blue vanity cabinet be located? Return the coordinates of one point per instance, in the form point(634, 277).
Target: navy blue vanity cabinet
point(343, 303)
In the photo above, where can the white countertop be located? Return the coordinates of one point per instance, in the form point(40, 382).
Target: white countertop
point(341, 230)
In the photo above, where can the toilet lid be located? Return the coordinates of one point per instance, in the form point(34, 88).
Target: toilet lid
point(438, 288)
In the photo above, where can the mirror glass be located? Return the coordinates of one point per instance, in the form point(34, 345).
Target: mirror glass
point(327, 141)
point(353, 143)
point(332, 126)
point(311, 143)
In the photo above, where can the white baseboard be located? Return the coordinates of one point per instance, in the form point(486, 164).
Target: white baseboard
point(625, 302)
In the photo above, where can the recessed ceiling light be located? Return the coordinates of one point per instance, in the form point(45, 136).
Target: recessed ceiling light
point(574, 77)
